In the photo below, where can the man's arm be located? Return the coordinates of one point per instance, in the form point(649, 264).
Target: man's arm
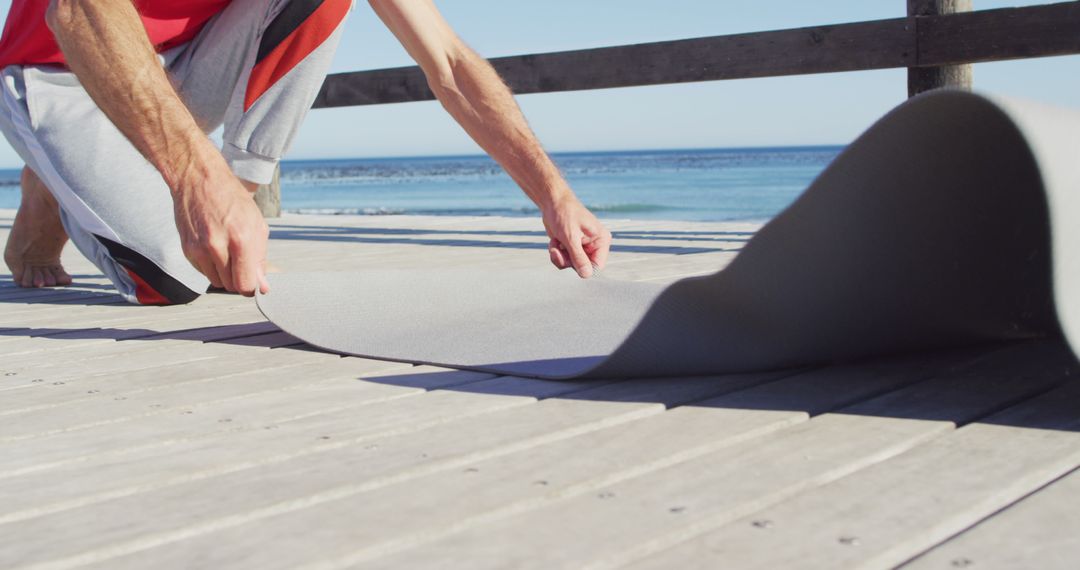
point(472, 92)
point(221, 230)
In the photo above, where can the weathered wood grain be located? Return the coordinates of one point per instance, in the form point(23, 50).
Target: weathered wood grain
point(893, 511)
point(929, 41)
point(921, 79)
point(1041, 531)
point(624, 418)
point(821, 49)
point(618, 451)
point(287, 381)
point(1003, 34)
point(662, 506)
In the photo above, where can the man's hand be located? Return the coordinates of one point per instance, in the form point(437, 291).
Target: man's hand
point(223, 233)
point(472, 92)
point(221, 230)
point(578, 239)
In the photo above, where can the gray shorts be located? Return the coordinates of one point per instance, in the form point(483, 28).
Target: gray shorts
point(255, 68)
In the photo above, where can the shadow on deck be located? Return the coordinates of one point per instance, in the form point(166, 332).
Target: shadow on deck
point(472, 238)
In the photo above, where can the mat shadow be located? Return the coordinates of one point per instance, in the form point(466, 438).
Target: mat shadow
point(961, 378)
point(397, 236)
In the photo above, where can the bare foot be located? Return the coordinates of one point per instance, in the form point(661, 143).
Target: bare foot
point(37, 238)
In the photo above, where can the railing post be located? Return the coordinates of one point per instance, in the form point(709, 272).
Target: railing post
point(922, 79)
point(268, 196)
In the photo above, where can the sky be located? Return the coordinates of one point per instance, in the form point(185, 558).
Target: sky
point(805, 110)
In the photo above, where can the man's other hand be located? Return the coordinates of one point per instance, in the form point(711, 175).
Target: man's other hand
point(223, 233)
point(578, 239)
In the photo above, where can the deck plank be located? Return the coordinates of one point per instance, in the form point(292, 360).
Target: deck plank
point(295, 379)
point(96, 358)
point(1040, 531)
point(76, 389)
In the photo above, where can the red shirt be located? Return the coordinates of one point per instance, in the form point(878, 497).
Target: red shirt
point(169, 23)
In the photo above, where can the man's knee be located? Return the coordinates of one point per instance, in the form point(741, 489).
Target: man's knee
point(147, 283)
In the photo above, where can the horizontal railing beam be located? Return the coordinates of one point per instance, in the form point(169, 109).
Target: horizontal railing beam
point(924, 41)
point(999, 35)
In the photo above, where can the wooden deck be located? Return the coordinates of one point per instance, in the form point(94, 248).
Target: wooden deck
point(202, 437)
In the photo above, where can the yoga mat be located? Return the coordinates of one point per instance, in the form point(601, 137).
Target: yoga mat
point(955, 220)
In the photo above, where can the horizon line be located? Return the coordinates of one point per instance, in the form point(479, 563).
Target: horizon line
point(567, 152)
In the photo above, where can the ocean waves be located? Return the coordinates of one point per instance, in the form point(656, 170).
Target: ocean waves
point(707, 184)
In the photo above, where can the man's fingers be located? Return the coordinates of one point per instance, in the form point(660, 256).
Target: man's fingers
point(558, 255)
point(210, 269)
point(585, 255)
point(248, 265)
point(244, 274)
point(264, 283)
point(557, 258)
point(581, 261)
point(203, 265)
point(219, 260)
point(598, 249)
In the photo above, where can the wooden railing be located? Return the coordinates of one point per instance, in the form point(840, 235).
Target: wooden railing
point(916, 42)
point(936, 42)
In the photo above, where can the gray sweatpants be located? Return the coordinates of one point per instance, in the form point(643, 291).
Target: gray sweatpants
point(255, 68)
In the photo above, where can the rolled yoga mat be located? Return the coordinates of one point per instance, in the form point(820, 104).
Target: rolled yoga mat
point(955, 220)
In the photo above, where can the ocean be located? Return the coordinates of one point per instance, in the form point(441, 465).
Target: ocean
point(698, 185)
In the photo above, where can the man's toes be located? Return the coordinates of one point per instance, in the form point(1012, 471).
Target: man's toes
point(48, 276)
point(60, 277)
point(39, 277)
point(27, 276)
point(42, 276)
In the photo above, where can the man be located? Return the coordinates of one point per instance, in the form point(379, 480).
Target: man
point(109, 102)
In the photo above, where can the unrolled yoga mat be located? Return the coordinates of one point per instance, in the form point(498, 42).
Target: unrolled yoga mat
point(954, 220)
